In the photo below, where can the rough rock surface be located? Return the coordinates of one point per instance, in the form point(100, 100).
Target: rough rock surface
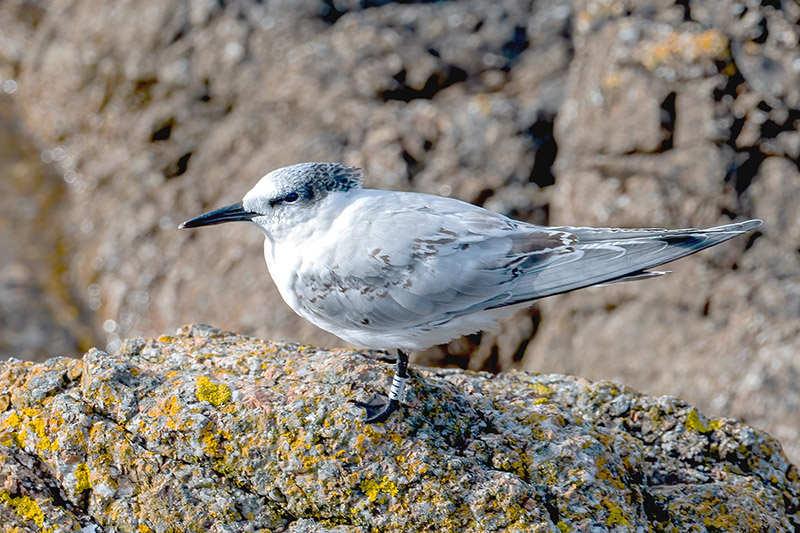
point(590, 112)
point(211, 431)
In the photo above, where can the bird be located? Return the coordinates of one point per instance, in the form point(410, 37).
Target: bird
point(407, 270)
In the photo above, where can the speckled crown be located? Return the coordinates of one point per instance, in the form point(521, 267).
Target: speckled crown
point(322, 178)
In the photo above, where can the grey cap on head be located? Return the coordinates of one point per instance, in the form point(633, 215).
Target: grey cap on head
point(320, 178)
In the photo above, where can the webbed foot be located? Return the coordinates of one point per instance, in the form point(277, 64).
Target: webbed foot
point(378, 408)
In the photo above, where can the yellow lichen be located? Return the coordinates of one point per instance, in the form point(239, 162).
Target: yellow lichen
point(36, 425)
point(513, 512)
point(208, 391)
point(541, 390)
point(25, 507)
point(716, 515)
point(210, 442)
point(548, 472)
point(360, 440)
point(388, 486)
point(615, 516)
point(13, 420)
point(44, 444)
point(171, 409)
point(82, 475)
point(372, 488)
point(562, 526)
point(77, 436)
point(604, 473)
point(693, 422)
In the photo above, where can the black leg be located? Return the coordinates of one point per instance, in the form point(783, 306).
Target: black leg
point(380, 407)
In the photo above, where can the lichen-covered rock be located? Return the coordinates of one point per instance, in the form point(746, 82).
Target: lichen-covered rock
point(211, 431)
point(581, 112)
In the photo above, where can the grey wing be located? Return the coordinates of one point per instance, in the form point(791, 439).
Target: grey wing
point(610, 255)
point(432, 259)
point(428, 261)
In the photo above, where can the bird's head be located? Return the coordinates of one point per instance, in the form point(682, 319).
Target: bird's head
point(285, 197)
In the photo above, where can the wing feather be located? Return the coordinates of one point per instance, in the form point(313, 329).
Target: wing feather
point(455, 258)
point(428, 260)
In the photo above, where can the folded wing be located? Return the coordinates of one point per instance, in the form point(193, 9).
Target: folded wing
point(433, 259)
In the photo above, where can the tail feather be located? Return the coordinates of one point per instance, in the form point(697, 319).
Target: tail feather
point(636, 276)
point(609, 255)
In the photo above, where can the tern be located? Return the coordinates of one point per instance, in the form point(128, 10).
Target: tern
point(407, 270)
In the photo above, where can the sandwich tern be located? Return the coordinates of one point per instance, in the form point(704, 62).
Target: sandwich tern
point(406, 270)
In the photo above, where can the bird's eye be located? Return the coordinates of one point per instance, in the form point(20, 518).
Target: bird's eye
point(291, 197)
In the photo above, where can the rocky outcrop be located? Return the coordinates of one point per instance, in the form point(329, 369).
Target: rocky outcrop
point(586, 112)
point(211, 431)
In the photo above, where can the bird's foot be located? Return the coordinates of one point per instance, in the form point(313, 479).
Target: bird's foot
point(378, 408)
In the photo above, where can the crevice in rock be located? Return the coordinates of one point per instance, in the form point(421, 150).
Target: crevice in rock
point(412, 165)
point(744, 167)
point(763, 29)
point(54, 488)
point(652, 510)
point(687, 9)
point(449, 75)
point(163, 131)
point(546, 149)
point(330, 12)
point(182, 32)
point(492, 363)
point(752, 239)
point(204, 95)
point(484, 195)
point(141, 90)
point(179, 167)
point(549, 503)
point(519, 353)
point(668, 122)
point(514, 47)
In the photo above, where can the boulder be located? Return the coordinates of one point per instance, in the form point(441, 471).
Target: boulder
point(211, 431)
point(588, 112)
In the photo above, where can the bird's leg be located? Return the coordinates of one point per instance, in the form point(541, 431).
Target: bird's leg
point(380, 407)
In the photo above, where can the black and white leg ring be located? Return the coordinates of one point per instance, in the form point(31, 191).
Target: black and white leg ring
point(398, 388)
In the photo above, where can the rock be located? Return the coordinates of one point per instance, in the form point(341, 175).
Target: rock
point(213, 431)
point(37, 317)
point(659, 128)
point(586, 112)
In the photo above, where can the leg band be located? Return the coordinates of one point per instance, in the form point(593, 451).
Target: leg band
point(398, 388)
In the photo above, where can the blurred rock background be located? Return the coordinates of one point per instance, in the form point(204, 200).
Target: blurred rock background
point(120, 119)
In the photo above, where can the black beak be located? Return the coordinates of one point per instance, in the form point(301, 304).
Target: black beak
point(231, 213)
